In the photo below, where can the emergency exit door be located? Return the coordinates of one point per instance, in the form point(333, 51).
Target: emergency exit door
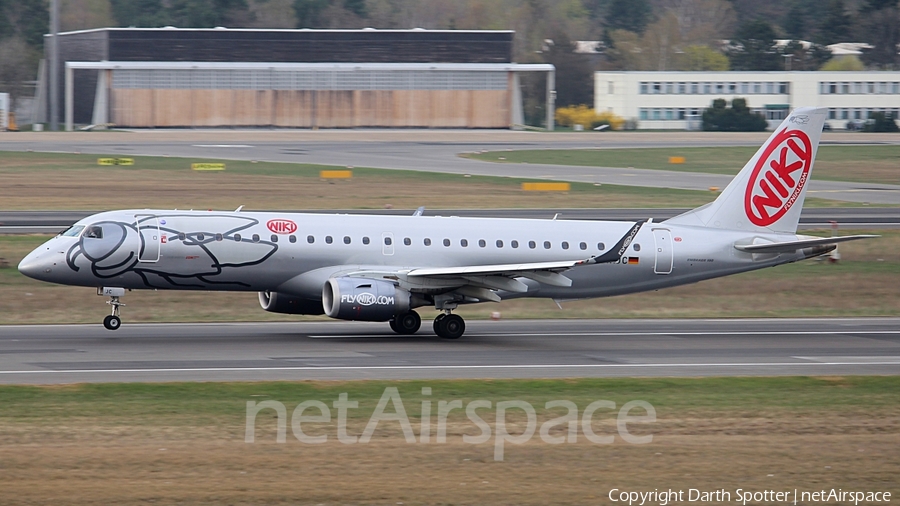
point(662, 238)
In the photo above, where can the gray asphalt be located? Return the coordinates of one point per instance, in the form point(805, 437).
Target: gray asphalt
point(43, 354)
point(431, 155)
point(37, 222)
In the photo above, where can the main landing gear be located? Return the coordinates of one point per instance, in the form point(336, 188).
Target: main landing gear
point(449, 326)
point(112, 321)
point(406, 323)
point(446, 325)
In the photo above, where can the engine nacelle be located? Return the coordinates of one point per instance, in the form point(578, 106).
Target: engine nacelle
point(275, 302)
point(363, 299)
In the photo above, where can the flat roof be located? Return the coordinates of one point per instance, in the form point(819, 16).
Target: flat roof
point(343, 67)
point(278, 30)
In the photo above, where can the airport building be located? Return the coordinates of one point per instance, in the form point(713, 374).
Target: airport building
point(170, 77)
point(676, 100)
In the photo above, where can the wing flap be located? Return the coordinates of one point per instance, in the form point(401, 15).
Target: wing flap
point(791, 246)
point(500, 269)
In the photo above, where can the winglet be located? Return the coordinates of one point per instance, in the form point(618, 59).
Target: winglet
point(420, 211)
point(615, 254)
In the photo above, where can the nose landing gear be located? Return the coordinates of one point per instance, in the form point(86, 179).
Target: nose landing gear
point(112, 321)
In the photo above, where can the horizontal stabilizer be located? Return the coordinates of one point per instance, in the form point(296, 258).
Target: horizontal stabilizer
point(791, 246)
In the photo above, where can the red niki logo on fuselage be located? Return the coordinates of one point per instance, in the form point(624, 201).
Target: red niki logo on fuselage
point(778, 177)
point(282, 226)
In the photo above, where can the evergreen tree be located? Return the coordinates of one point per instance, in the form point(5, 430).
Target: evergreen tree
point(738, 118)
point(574, 83)
point(631, 15)
point(837, 24)
point(753, 48)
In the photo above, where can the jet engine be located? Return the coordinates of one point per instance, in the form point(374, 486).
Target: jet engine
point(275, 302)
point(370, 300)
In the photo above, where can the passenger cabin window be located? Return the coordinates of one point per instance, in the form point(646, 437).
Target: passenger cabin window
point(482, 243)
point(219, 237)
point(464, 243)
point(447, 242)
point(346, 239)
point(388, 241)
point(237, 237)
point(601, 246)
point(427, 242)
point(637, 247)
point(94, 232)
point(407, 241)
point(200, 237)
point(499, 243)
point(532, 244)
point(72, 231)
point(274, 238)
point(583, 245)
point(182, 236)
point(292, 238)
point(310, 239)
point(255, 237)
point(328, 239)
point(565, 245)
point(514, 244)
point(365, 240)
point(546, 244)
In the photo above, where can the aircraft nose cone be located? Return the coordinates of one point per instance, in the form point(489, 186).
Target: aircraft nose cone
point(32, 266)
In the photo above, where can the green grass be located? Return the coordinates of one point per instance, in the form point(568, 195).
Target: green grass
point(879, 163)
point(152, 403)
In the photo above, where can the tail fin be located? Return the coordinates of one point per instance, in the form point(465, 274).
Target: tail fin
point(767, 194)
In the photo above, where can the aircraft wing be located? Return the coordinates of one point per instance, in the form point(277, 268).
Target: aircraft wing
point(791, 246)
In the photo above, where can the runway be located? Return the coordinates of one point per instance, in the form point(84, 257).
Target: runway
point(853, 218)
point(437, 151)
point(50, 354)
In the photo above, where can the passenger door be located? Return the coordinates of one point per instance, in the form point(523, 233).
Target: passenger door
point(662, 238)
point(148, 232)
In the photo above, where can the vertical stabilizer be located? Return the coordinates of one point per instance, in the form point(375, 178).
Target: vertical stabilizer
point(767, 194)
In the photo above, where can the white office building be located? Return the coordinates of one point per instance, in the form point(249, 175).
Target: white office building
point(676, 100)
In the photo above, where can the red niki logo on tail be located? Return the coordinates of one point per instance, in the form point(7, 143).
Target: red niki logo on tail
point(775, 183)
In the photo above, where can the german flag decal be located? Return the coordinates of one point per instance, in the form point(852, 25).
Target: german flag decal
point(634, 260)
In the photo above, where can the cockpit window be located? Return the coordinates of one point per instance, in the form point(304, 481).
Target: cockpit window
point(72, 231)
point(94, 232)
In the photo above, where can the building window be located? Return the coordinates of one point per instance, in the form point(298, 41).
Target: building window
point(845, 88)
point(832, 114)
point(611, 88)
point(896, 87)
point(656, 88)
point(770, 88)
point(695, 88)
point(655, 114)
point(670, 114)
point(707, 88)
point(643, 114)
point(681, 89)
point(783, 88)
point(745, 88)
point(681, 114)
point(668, 88)
point(757, 88)
point(643, 88)
point(845, 114)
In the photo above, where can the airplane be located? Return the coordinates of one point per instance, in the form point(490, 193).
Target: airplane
point(381, 268)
